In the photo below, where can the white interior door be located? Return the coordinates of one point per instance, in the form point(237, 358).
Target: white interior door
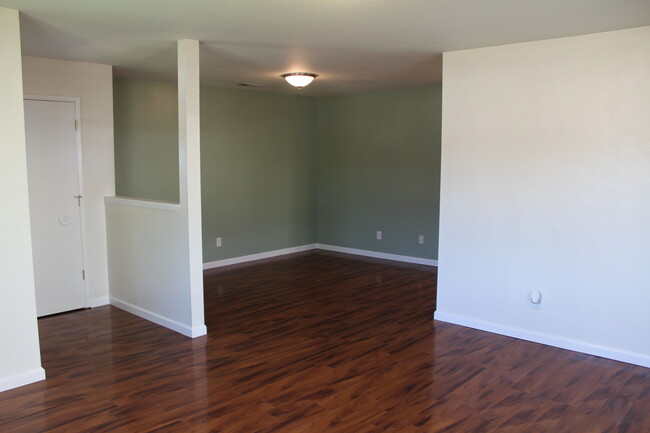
point(55, 209)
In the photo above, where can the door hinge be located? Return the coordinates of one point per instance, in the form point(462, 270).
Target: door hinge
point(76, 125)
point(83, 274)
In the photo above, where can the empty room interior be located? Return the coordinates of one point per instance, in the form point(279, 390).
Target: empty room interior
point(343, 216)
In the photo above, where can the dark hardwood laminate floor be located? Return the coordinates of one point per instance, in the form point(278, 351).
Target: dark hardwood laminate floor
point(317, 343)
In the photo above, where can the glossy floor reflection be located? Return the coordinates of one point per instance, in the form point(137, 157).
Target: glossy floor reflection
point(317, 343)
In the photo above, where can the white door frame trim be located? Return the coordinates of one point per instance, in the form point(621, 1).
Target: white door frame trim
point(82, 208)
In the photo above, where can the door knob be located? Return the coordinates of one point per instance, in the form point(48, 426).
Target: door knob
point(64, 218)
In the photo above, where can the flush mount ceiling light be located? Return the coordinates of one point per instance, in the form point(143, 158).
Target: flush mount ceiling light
point(299, 79)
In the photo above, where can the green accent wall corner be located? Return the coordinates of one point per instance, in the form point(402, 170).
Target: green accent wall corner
point(280, 171)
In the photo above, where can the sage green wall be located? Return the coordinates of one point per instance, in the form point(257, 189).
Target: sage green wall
point(280, 171)
point(256, 162)
point(257, 177)
point(378, 165)
point(145, 114)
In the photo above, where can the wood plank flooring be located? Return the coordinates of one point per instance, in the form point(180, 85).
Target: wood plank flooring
point(317, 342)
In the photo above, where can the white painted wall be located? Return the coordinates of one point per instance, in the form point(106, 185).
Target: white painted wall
point(93, 84)
point(546, 186)
point(149, 268)
point(20, 360)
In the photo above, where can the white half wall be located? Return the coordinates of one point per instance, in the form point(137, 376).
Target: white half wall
point(93, 85)
point(20, 359)
point(155, 248)
point(148, 265)
point(546, 186)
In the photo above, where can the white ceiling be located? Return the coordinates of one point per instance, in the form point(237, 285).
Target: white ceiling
point(355, 45)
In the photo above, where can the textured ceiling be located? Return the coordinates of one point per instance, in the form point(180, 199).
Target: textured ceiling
point(355, 45)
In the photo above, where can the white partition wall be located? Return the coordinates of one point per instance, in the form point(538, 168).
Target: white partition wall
point(20, 360)
point(154, 248)
point(546, 187)
point(149, 268)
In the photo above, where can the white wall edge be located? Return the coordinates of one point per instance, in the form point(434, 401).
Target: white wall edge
point(191, 332)
point(550, 340)
point(20, 379)
point(378, 255)
point(258, 256)
point(98, 302)
point(150, 204)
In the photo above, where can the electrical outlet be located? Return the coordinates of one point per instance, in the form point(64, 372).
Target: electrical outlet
point(218, 242)
point(535, 299)
point(378, 235)
point(421, 239)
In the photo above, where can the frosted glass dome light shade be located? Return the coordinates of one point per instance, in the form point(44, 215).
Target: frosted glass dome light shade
point(299, 79)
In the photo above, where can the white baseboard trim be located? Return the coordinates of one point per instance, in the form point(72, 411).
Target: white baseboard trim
point(550, 340)
point(378, 255)
point(98, 302)
point(20, 379)
point(354, 251)
point(191, 332)
point(258, 256)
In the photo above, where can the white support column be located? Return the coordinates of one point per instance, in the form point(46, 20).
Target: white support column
point(189, 148)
